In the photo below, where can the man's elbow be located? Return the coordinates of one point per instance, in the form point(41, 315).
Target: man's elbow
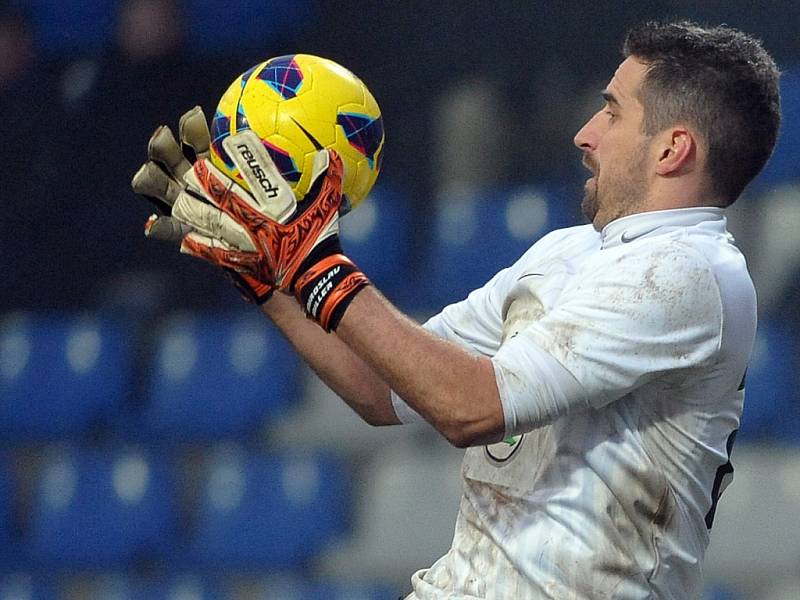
point(377, 414)
point(379, 420)
point(474, 416)
point(467, 432)
point(459, 439)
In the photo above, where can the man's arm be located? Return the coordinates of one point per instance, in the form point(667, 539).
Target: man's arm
point(454, 390)
point(336, 364)
point(299, 252)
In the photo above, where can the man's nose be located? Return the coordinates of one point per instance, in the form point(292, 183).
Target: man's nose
point(586, 138)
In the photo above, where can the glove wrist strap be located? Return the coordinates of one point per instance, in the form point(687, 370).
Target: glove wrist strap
point(327, 289)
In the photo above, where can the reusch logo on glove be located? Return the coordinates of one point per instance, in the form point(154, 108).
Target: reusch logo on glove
point(258, 173)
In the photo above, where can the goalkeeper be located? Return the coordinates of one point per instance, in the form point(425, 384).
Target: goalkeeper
point(597, 383)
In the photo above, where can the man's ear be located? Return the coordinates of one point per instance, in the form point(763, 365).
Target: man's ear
point(677, 151)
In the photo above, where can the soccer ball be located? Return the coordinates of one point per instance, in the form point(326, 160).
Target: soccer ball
point(298, 104)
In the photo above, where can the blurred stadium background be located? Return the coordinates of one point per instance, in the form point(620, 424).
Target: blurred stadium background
point(158, 440)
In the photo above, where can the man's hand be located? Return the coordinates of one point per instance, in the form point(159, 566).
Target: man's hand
point(297, 243)
point(203, 230)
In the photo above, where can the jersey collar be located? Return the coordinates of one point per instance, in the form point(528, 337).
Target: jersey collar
point(632, 227)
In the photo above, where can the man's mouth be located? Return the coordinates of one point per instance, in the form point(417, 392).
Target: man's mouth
point(592, 167)
point(586, 162)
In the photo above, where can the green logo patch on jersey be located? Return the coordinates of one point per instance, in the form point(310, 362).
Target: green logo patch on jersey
point(503, 451)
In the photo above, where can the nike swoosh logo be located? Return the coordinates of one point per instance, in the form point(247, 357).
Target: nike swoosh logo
point(530, 275)
point(627, 239)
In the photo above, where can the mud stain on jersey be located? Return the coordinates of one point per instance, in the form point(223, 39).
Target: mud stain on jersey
point(666, 510)
point(520, 312)
point(564, 335)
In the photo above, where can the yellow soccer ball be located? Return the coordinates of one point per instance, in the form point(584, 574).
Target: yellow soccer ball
point(298, 104)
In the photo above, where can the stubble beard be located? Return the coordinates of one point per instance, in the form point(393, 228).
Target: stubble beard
point(622, 193)
point(589, 204)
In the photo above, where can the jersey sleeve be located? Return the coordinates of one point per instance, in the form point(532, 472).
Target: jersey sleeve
point(475, 323)
point(618, 327)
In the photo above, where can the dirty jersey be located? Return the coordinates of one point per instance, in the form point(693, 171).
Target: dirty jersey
point(619, 357)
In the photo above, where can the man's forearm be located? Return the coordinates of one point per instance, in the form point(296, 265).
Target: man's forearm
point(336, 364)
point(454, 390)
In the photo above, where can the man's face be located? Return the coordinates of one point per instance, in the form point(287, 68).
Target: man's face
point(616, 150)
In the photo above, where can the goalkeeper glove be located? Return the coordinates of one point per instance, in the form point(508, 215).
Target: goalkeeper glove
point(196, 224)
point(297, 243)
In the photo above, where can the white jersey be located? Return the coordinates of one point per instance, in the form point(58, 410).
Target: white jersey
point(608, 489)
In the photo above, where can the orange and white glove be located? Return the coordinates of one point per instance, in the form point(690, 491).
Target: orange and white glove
point(297, 243)
point(190, 219)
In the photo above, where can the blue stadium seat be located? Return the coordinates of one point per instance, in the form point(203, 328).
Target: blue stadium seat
point(349, 591)
point(719, 592)
point(771, 410)
point(475, 237)
point(119, 586)
point(378, 237)
point(268, 512)
point(60, 375)
point(96, 509)
point(218, 377)
point(294, 588)
point(26, 586)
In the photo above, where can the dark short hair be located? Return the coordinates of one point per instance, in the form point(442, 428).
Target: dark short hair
point(718, 80)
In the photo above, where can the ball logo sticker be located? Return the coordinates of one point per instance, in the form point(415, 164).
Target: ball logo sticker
point(502, 452)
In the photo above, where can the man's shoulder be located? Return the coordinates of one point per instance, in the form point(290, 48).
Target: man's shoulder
point(679, 257)
point(566, 242)
point(568, 245)
point(577, 232)
point(664, 278)
point(674, 252)
point(670, 258)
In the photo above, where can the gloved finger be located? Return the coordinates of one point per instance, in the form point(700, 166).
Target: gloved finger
point(219, 253)
point(163, 148)
point(160, 205)
point(322, 160)
point(327, 189)
point(191, 242)
point(212, 222)
point(151, 180)
point(201, 246)
point(207, 181)
point(193, 131)
point(319, 168)
point(165, 228)
point(272, 193)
